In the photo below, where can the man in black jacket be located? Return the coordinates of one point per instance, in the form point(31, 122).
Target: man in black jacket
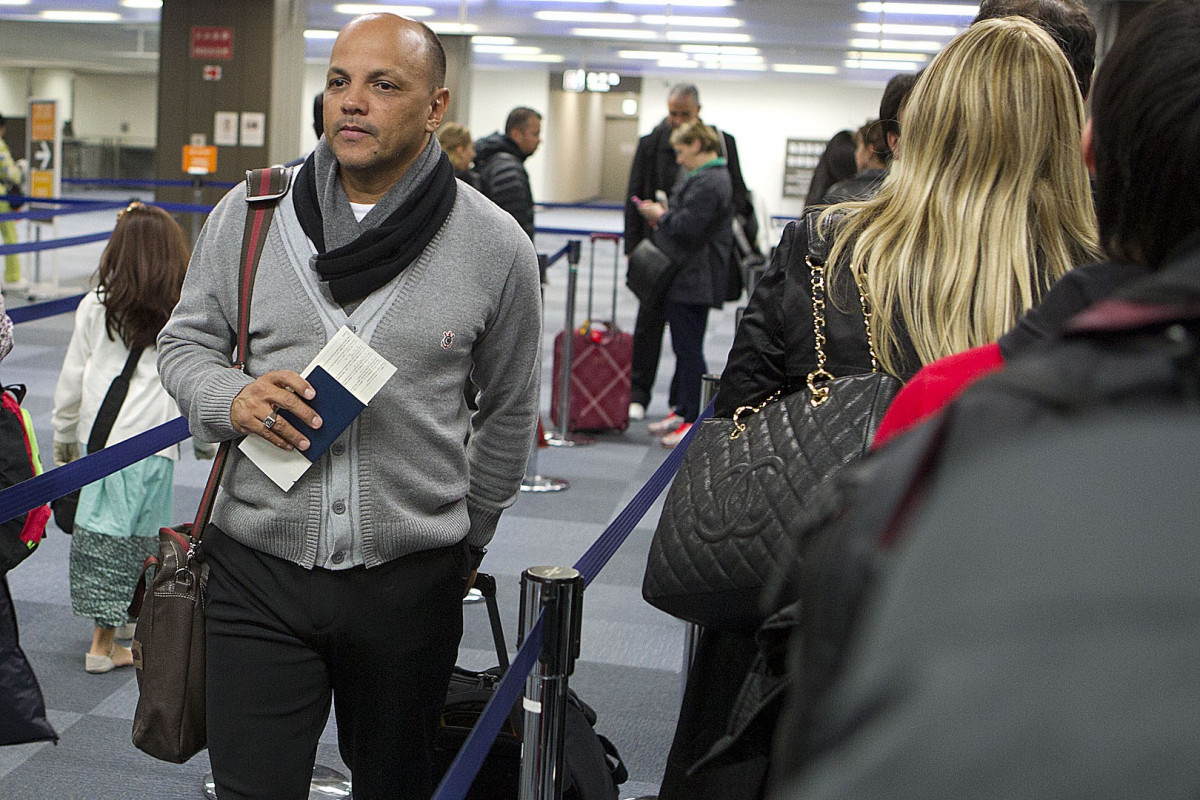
point(500, 162)
point(653, 176)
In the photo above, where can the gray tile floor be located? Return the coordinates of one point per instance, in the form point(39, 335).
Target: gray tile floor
point(631, 654)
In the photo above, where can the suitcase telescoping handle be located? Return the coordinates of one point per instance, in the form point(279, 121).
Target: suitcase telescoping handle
point(486, 585)
point(615, 238)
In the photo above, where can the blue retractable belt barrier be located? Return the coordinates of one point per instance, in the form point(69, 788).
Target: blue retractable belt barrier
point(41, 489)
point(603, 549)
point(49, 308)
point(84, 207)
point(458, 779)
point(47, 244)
point(470, 758)
point(554, 258)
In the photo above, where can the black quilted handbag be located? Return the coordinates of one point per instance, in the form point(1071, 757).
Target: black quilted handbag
point(746, 482)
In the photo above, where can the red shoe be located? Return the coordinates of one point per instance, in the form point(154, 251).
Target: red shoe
point(676, 436)
point(665, 425)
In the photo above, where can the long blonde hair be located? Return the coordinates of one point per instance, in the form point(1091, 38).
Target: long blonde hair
point(987, 203)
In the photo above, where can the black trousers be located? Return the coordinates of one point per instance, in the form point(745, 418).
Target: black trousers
point(647, 349)
point(282, 641)
point(688, 323)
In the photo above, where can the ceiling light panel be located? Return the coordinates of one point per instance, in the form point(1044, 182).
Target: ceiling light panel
point(895, 29)
point(542, 58)
point(707, 36)
point(805, 69)
point(506, 48)
point(615, 33)
point(694, 22)
point(650, 55)
point(595, 18)
point(453, 27)
point(920, 9)
point(718, 48)
point(878, 55)
point(493, 40)
point(897, 44)
point(142, 3)
point(358, 9)
point(894, 66)
point(678, 3)
point(312, 33)
point(81, 16)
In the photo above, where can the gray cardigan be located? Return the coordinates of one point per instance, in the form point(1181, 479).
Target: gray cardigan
point(468, 306)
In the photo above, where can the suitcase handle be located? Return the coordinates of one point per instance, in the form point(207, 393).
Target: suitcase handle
point(615, 238)
point(486, 584)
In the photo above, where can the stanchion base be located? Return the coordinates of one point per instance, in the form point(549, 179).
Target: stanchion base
point(326, 783)
point(574, 440)
point(540, 483)
point(46, 291)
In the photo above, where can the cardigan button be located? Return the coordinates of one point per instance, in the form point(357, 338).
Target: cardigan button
point(339, 507)
point(338, 448)
point(338, 557)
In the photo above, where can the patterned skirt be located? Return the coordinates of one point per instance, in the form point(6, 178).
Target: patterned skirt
point(104, 573)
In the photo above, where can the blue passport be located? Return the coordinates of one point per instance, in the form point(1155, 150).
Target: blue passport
point(337, 408)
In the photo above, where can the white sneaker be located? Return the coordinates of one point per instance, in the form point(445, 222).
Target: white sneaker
point(473, 596)
point(637, 412)
point(665, 425)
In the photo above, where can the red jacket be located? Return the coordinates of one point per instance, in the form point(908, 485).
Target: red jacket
point(935, 386)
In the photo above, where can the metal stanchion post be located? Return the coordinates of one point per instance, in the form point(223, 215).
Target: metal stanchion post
point(691, 632)
point(559, 592)
point(563, 437)
point(198, 199)
point(533, 480)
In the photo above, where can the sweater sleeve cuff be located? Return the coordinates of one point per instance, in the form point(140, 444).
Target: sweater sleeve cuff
point(483, 523)
point(216, 402)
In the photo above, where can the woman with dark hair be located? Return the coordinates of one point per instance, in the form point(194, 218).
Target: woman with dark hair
point(836, 164)
point(117, 521)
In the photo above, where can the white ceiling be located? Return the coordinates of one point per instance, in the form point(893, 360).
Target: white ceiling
point(752, 39)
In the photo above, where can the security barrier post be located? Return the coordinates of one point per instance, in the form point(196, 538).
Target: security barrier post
point(709, 384)
point(563, 437)
point(558, 591)
point(534, 481)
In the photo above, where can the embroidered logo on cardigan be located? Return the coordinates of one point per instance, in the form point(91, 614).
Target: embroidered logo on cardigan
point(447, 339)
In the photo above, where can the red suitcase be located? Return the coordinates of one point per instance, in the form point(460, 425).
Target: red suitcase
point(601, 363)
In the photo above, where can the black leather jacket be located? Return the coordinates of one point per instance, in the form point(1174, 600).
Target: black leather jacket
point(774, 347)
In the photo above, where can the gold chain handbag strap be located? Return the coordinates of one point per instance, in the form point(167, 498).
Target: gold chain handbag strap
point(819, 376)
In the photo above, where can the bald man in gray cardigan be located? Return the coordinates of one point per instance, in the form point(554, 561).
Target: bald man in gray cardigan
point(350, 584)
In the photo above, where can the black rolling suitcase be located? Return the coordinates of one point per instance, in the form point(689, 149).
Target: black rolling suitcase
point(594, 768)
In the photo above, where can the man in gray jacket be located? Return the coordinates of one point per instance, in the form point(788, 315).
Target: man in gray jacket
point(349, 585)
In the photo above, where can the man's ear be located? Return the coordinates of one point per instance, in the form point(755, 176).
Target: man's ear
point(1088, 144)
point(437, 109)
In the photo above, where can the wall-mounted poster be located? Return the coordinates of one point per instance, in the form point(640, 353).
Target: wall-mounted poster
point(254, 129)
point(225, 128)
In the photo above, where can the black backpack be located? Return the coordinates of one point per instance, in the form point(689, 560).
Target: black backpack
point(594, 768)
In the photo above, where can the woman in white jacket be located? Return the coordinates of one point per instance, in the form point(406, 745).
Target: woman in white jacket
point(117, 521)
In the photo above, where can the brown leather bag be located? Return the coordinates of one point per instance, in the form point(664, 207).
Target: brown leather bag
point(168, 645)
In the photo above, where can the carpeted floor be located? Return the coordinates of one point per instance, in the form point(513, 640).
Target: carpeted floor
point(631, 653)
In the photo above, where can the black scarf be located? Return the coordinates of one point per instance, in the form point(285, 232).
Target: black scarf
point(367, 255)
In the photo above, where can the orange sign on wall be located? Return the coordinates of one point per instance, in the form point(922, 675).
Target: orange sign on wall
point(199, 160)
point(43, 121)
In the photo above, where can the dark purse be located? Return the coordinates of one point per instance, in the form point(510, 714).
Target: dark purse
point(168, 644)
point(745, 483)
point(64, 508)
point(650, 271)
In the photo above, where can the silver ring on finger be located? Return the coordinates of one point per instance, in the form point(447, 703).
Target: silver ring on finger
point(271, 419)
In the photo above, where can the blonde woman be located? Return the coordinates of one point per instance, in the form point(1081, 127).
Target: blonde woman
point(986, 204)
